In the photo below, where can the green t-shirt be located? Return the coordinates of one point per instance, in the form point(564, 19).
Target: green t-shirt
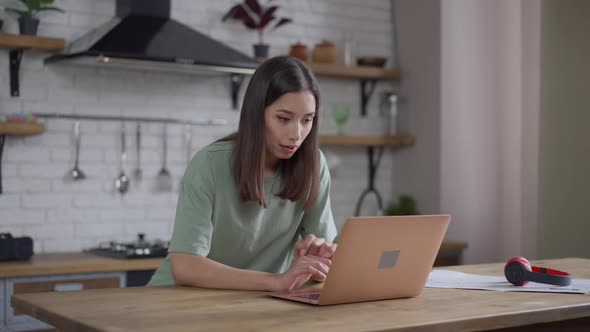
point(212, 221)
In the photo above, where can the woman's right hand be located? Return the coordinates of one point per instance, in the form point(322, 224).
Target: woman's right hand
point(304, 268)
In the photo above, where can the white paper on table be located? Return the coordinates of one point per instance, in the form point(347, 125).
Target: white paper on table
point(451, 279)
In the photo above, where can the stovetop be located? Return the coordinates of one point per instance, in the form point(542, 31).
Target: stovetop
point(128, 250)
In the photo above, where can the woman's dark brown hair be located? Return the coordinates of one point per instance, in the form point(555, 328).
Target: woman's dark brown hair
point(300, 173)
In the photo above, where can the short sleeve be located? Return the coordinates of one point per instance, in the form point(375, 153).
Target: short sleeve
point(193, 226)
point(319, 220)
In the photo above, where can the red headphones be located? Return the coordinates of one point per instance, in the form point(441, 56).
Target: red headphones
point(519, 272)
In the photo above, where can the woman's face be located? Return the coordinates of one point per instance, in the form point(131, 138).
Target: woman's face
point(288, 121)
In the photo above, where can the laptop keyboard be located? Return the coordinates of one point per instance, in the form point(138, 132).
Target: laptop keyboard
point(314, 296)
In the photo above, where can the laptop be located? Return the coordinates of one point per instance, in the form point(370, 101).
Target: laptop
point(378, 258)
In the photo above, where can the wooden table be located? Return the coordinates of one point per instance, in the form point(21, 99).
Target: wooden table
point(193, 309)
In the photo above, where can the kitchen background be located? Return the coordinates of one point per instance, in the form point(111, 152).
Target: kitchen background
point(493, 93)
point(64, 216)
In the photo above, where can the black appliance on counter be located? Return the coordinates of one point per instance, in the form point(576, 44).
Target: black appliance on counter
point(15, 248)
point(129, 250)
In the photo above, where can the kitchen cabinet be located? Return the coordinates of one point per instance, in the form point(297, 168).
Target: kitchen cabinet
point(64, 272)
point(69, 263)
point(15, 321)
point(2, 300)
point(450, 253)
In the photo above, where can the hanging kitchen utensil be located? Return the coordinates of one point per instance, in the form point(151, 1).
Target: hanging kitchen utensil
point(137, 171)
point(164, 179)
point(76, 173)
point(122, 181)
point(188, 139)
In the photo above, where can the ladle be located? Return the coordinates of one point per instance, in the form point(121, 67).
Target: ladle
point(122, 181)
point(76, 173)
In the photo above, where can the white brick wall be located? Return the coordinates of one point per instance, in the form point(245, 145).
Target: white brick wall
point(65, 216)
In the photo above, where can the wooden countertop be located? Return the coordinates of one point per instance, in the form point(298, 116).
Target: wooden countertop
point(75, 262)
point(71, 263)
point(195, 309)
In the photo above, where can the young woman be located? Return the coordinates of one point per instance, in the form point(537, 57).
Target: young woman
point(247, 199)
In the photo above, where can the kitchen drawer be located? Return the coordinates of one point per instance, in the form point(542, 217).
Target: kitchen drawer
point(19, 322)
point(2, 310)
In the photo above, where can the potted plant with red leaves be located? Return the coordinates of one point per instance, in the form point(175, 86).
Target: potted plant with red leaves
point(256, 17)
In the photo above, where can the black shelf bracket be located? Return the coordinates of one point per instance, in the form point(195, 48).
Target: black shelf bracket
point(16, 55)
point(374, 160)
point(236, 81)
point(367, 89)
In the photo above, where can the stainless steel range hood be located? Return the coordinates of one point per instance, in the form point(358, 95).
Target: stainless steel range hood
point(144, 36)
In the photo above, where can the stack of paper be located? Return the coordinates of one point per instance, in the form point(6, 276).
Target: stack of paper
point(451, 279)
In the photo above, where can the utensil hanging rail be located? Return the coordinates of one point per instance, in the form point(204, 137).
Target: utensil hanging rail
point(203, 122)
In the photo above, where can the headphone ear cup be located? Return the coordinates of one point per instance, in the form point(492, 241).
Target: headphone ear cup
point(516, 270)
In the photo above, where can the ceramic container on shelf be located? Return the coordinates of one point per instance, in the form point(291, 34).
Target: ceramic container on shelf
point(299, 51)
point(389, 113)
point(324, 52)
point(371, 61)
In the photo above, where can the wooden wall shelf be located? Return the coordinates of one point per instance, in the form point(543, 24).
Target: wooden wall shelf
point(17, 44)
point(391, 141)
point(32, 42)
point(16, 129)
point(375, 147)
point(336, 70)
point(21, 129)
point(354, 72)
point(367, 76)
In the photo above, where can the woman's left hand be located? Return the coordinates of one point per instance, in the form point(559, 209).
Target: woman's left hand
point(315, 246)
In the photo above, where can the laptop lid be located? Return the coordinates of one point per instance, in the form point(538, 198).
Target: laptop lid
point(383, 257)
